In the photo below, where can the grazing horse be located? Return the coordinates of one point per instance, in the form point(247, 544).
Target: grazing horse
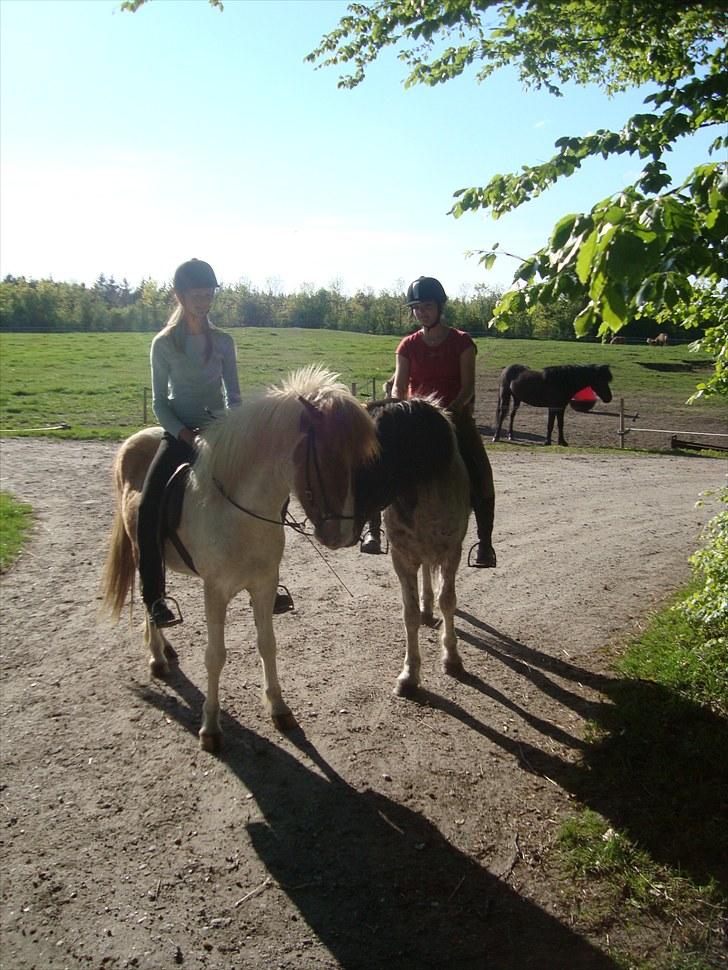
point(661, 340)
point(307, 437)
point(551, 388)
point(419, 479)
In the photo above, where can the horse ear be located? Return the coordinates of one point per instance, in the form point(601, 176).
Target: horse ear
point(309, 411)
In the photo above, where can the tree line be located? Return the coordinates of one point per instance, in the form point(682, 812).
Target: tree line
point(50, 306)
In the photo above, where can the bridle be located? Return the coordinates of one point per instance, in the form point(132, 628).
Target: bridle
point(286, 519)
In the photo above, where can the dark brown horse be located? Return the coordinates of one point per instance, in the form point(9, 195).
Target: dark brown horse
point(551, 388)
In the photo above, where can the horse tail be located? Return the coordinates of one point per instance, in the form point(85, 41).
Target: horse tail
point(120, 568)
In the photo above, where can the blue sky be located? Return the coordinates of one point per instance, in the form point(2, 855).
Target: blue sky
point(132, 142)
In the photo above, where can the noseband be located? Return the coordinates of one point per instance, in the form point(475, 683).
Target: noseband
point(312, 459)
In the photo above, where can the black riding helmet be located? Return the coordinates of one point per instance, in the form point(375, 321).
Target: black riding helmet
point(426, 288)
point(195, 274)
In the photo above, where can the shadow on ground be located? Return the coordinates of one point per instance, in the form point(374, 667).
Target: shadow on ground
point(657, 769)
point(376, 882)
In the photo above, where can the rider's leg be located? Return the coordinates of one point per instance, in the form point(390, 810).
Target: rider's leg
point(171, 453)
point(482, 489)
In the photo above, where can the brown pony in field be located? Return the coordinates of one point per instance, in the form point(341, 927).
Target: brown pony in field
point(551, 388)
point(420, 481)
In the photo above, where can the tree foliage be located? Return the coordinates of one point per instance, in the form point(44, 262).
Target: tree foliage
point(652, 249)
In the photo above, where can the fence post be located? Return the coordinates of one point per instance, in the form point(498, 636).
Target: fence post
point(621, 422)
point(145, 405)
point(353, 388)
point(374, 388)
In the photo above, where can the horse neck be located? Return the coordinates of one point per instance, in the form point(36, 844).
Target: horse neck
point(250, 453)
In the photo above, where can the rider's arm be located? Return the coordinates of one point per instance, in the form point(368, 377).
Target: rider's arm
point(467, 379)
point(401, 377)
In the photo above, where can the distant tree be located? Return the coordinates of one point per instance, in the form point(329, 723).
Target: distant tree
point(653, 248)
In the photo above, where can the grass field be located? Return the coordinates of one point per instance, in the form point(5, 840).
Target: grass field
point(95, 382)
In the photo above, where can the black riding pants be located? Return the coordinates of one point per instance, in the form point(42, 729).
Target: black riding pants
point(482, 489)
point(170, 455)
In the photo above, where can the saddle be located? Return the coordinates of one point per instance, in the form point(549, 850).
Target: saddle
point(171, 512)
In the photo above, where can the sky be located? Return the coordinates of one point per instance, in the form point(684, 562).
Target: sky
point(132, 142)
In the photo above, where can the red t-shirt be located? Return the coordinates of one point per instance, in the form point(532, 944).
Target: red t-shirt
point(435, 370)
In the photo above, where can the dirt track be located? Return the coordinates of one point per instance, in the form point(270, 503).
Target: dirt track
point(385, 833)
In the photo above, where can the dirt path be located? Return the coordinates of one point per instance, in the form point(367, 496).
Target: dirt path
point(385, 833)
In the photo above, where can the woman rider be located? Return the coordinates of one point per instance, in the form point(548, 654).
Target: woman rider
point(194, 375)
point(438, 359)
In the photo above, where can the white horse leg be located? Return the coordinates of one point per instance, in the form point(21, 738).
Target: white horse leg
point(427, 598)
point(263, 612)
point(215, 655)
point(154, 640)
point(447, 601)
point(409, 679)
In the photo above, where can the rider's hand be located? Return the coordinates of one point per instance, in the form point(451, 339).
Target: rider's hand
point(188, 436)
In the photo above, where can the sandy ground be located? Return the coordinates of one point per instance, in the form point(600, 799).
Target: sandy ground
point(384, 832)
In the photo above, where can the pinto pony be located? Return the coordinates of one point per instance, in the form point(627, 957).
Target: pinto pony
point(307, 437)
point(420, 481)
point(551, 388)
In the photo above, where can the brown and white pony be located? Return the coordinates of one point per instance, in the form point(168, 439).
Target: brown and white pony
point(420, 481)
point(306, 437)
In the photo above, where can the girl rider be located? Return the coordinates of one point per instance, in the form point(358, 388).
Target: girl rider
point(438, 359)
point(194, 375)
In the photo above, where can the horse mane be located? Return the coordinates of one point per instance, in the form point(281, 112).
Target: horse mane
point(577, 370)
point(416, 445)
point(270, 423)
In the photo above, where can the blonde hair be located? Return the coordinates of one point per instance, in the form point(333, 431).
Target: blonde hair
point(176, 327)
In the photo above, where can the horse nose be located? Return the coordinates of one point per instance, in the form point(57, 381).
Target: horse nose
point(336, 533)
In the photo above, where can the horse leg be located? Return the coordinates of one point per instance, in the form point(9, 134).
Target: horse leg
point(158, 649)
point(447, 600)
point(514, 408)
point(215, 656)
point(409, 679)
point(550, 426)
point(427, 599)
point(262, 601)
point(504, 395)
point(560, 419)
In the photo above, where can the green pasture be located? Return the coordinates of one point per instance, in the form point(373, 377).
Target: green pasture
point(95, 382)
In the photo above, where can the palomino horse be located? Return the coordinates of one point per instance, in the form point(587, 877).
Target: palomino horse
point(307, 437)
point(551, 388)
point(420, 480)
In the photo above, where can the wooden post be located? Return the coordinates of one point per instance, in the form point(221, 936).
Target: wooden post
point(621, 422)
point(353, 388)
point(374, 388)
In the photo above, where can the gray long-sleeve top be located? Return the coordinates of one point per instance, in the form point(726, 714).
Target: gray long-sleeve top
point(185, 386)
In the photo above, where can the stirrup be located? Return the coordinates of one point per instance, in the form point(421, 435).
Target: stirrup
point(473, 561)
point(167, 617)
point(374, 544)
point(283, 603)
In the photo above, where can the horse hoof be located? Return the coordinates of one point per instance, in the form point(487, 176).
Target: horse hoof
point(158, 668)
point(285, 721)
point(405, 688)
point(428, 619)
point(210, 742)
point(453, 667)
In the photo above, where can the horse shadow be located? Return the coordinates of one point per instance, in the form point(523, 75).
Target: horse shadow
point(377, 883)
point(524, 437)
point(656, 768)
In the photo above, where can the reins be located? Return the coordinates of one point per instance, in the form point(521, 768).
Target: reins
point(286, 520)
